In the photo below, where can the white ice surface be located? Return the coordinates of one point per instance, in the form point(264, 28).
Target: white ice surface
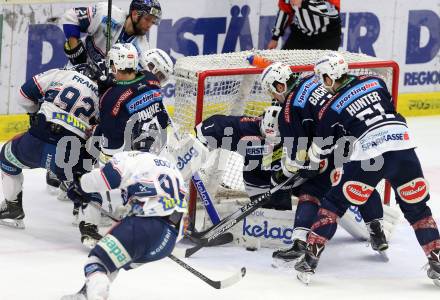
point(45, 260)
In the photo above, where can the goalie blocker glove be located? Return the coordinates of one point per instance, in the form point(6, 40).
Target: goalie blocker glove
point(77, 55)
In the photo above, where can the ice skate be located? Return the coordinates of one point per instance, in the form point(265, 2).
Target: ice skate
point(62, 191)
point(307, 264)
point(81, 295)
point(11, 213)
point(89, 234)
point(288, 257)
point(378, 239)
point(75, 213)
point(433, 271)
point(52, 183)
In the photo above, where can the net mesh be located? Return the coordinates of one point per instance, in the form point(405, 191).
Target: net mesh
point(238, 92)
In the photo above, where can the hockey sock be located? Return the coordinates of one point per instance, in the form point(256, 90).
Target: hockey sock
point(306, 211)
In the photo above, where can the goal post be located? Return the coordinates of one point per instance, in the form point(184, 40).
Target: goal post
point(227, 84)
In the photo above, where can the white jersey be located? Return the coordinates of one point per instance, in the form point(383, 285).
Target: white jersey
point(70, 99)
point(93, 21)
point(151, 184)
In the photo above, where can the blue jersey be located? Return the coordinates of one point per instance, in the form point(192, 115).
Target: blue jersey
point(242, 134)
point(298, 118)
point(363, 110)
point(139, 100)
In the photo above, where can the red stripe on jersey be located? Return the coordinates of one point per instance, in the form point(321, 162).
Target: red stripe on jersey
point(38, 86)
point(25, 96)
point(105, 180)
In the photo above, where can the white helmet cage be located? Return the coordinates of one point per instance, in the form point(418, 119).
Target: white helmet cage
point(159, 63)
point(123, 57)
point(273, 74)
point(269, 123)
point(333, 65)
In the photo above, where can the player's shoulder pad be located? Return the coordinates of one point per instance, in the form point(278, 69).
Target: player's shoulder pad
point(365, 78)
point(100, 10)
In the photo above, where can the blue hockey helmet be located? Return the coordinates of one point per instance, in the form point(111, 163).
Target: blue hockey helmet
point(149, 7)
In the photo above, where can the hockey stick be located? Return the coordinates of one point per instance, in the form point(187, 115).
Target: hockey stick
point(215, 284)
point(230, 221)
point(221, 284)
point(199, 184)
point(109, 28)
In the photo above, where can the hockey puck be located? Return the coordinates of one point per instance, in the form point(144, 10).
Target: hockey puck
point(251, 248)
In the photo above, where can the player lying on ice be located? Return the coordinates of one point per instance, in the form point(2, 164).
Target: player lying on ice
point(152, 189)
point(361, 110)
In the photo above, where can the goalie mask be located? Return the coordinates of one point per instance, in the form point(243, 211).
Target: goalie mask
point(277, 80)
point(269, 124)
point(124, 57)
point(334, 66)
point(159, 63)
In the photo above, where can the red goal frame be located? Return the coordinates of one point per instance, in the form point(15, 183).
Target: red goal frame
point(302, 68)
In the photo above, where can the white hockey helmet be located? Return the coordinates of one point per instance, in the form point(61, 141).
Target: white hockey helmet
point(123, 56)
point(273, 74)
point(269, 123)
point(333, 65)
point(159, 63)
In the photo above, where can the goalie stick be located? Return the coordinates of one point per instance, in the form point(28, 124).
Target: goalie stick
point(217, 284)
point(227, 223)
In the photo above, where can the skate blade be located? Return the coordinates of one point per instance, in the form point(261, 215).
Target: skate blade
point(304, 277)
point(384, 255)
point(19, 224)
point(436, 282)
point(285, 264)
point(52, 190)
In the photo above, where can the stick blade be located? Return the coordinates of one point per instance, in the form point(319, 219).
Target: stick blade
point(233, 279)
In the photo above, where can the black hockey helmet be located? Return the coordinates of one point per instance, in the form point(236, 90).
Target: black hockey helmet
point(148, 137)
point(149, 7)
point(88, 69)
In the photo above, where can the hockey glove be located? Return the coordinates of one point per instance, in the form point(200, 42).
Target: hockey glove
point(33, 119)
point(105, 82)
point(77, 195)
point(77, 55)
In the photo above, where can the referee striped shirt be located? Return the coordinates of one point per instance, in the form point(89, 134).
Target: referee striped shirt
point(312, 18)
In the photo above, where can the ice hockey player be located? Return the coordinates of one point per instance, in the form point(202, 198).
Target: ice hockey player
point(361, 107)
point(62, 103)
point(125, 28)
point(92, 20)
point(136, 96)
point(255, 139)
point(302, 98)
point(153, 190)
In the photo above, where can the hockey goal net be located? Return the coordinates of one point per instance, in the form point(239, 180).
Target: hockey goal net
point(226, 84)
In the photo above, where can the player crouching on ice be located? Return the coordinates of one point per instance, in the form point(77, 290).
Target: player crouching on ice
point(152, 188)
point(362, 108)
